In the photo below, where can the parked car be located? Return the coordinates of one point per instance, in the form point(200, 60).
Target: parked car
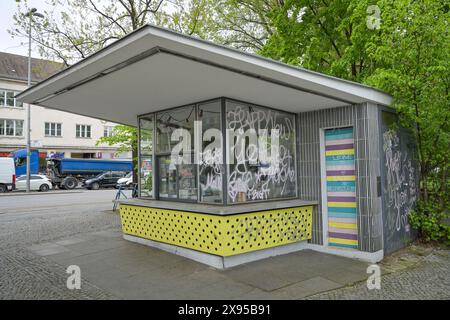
point(103, 180)
point(125, 182)
point(7, 174)
point(37, 182)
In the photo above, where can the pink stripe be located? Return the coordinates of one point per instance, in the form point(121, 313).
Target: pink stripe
point(337, 142)
point(340, 146)
point(342, 220)
point(341, 194)
point(342, 235)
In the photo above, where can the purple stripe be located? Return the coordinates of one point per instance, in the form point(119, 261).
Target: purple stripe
point(341, 199)
point(340, 172)
point(342, 235)
point(339, 147)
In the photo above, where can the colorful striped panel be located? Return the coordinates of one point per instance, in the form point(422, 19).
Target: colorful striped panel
point(341, 192)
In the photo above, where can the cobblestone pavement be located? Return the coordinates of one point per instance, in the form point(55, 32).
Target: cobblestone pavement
point(25, 275)
point(415, 277)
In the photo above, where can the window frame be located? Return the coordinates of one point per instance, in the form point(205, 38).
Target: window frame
point(78, 131)
point(225, 202)
point(109, 130)
point(55, 129)
point(294, 153)
point(5, 98)
point(14, 128)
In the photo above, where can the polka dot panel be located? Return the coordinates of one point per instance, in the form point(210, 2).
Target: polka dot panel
point(219, 235)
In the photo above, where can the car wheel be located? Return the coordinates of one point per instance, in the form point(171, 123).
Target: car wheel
point(44, 188)
point(3, 188)
point(95, 186)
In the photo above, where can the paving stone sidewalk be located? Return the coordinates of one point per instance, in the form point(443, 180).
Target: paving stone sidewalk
point(414, 278)
point(132, 271)
point(36, 247)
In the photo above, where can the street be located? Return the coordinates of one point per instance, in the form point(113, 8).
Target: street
point(26, 219)
point(41, 235)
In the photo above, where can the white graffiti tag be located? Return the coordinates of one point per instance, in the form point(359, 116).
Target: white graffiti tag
point(401, 179)
point(261, 180)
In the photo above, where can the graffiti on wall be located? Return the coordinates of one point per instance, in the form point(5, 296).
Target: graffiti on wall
point(260, 181)
point(210, 170)
point(401, 187)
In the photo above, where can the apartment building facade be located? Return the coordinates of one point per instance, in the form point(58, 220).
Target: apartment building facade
point(52, 131)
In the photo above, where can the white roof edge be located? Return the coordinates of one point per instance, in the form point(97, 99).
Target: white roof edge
point(372, 94)
point(363, 91)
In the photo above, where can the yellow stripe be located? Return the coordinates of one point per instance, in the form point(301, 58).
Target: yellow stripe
point(340, 152)
point(342, 204)
point(342, 225)
point(341, 178)
point(343, 241)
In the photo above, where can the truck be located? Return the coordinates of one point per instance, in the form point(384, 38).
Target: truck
point(20, 161)
point(67, 173)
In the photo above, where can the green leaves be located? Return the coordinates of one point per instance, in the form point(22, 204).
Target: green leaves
point(123, 137)
point(408, 56)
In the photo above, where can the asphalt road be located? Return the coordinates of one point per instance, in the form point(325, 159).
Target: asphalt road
point(37, 202)
point(27, 219)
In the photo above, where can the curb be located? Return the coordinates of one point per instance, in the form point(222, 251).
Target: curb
point(15, 194)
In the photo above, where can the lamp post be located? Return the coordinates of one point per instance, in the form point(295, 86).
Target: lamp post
point(32, 13)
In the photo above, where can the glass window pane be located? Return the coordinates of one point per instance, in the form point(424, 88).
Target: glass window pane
point(187, 182)
point(88, 131)
point(2, 127)
point(9, 127)
point(47, 129)
point(58, 127)
point(19, 128)
point(262, 179)
point(2, 98)
point(146, 177)
point(78, 131)
point(10, 98)
point(146, 139)
point(167, 122)
point(19, 104)
point(211, 164)
point(146, 145)
point(167, 178)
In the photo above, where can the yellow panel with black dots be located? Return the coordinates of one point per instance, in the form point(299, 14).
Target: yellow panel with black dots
point(220, 235)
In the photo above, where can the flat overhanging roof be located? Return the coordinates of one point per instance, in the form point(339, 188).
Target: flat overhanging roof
point(154, 69)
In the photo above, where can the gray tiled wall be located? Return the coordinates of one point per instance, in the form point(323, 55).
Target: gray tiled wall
point(364, 119)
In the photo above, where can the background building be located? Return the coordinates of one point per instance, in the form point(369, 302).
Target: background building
point(52, 131)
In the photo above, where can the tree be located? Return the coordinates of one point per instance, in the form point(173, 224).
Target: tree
point(326, 36)
point(79, 28)
point(243, 24)
point(74, 29)
point(413, 58)
point(406, 55)
point(123, 137)
point(191, 17)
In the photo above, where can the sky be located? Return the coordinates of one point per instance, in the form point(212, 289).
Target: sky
point(16, 45)
point(19, 45)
